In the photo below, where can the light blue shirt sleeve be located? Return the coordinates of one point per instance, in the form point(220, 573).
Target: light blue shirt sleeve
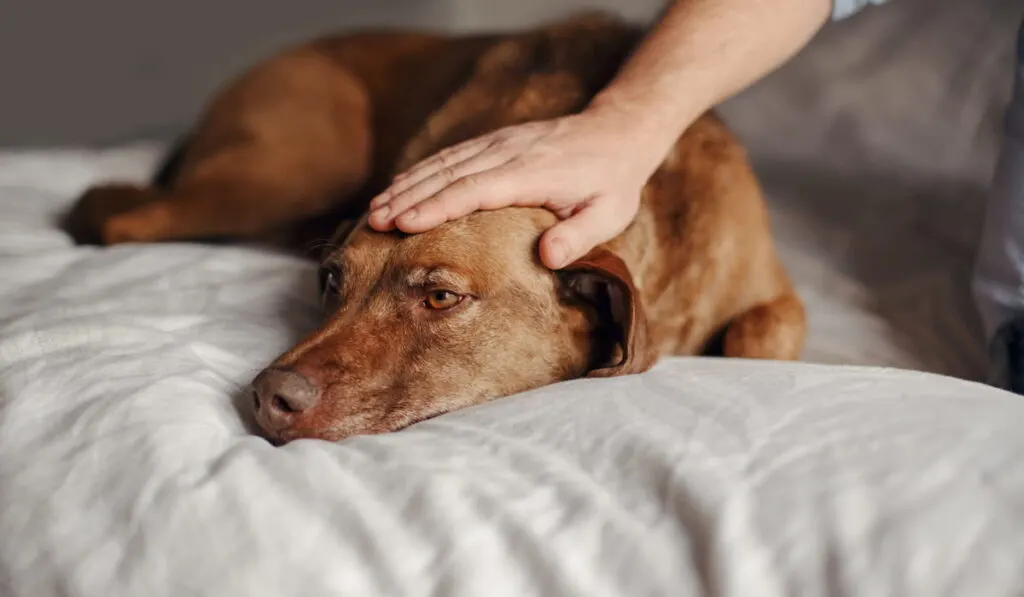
point(844, 8)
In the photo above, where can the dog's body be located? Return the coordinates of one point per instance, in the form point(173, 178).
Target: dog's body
point(297, 146)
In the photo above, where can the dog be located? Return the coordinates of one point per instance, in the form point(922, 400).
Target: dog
point(419, 325)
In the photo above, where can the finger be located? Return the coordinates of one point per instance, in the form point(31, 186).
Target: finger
point(382, 218)
point(424, 169)
point(491, 189)
point(597, 222)
point(437, 183)
point(446, 158)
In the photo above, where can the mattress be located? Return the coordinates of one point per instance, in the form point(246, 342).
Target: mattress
point(877, 466)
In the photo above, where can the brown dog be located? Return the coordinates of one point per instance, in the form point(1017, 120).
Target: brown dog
point(420, 325)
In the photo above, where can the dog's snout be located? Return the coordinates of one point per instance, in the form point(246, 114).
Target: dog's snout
point(280, 395)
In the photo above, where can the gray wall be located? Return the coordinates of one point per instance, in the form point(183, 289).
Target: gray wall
point(102, 71)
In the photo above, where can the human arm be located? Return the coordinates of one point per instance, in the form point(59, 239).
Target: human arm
point(589, 168)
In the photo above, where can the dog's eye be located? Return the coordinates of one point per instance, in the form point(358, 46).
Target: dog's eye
point(442, 299)
point(329, 280)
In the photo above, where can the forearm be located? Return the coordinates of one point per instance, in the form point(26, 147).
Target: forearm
point(700, 53)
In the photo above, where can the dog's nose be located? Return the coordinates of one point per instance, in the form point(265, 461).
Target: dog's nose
point(281, 395)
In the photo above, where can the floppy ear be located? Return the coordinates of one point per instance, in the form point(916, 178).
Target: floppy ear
point(602, 280)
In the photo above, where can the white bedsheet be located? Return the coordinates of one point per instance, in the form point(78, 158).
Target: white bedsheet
point(127, 469)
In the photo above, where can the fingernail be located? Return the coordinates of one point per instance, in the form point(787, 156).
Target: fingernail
point(381, 212)
point(559, 252)
point(411, 214)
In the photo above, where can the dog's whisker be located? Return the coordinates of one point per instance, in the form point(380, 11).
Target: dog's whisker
point(319, 244)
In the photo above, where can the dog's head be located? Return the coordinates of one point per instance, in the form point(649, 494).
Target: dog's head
point(424, 324)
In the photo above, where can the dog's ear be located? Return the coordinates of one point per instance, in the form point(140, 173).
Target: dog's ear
point(601, 280)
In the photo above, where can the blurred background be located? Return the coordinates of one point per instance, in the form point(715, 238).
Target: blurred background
point(100, 71)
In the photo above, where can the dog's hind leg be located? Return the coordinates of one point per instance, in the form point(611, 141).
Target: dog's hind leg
point(772, 330)
point(287, 142)
point(237, 195)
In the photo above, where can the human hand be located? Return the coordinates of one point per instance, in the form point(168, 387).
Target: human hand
point(584, 168)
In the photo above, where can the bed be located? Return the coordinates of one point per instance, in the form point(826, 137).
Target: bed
point(877, 466)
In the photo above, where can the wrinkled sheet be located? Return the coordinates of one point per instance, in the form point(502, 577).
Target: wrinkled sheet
point(128, 468)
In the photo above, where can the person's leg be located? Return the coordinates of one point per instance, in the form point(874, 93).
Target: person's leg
point(999, 270)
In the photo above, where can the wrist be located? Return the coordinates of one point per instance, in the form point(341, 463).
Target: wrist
point(646, 129)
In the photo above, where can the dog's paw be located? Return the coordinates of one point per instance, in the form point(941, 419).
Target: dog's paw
point(95, 217)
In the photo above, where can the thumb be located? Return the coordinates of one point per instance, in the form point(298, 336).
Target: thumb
point(574, 237)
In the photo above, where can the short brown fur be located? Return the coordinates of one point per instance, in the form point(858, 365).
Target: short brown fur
point(296, 146)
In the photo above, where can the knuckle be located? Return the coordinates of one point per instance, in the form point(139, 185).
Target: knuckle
point(448, 173)
point(467, 183)
point(504, 138)
point(517, 163)
point(499, 143)
point(446, 158)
